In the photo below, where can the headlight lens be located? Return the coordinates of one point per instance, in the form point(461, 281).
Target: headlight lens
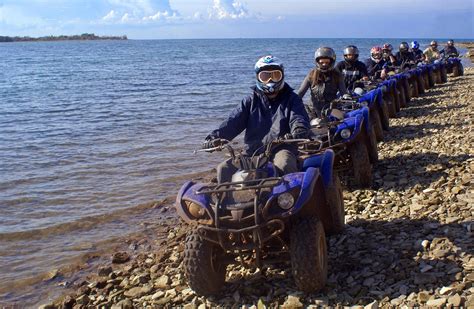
point(364, 103)
point(345, 133)
point(286, 200)
point(195, 210)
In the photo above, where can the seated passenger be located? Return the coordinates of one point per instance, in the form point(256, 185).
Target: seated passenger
point(450, 50)
point(432, 53)
point(376, 64)
point(324, 82)
point(405, 57)
point(352, 69)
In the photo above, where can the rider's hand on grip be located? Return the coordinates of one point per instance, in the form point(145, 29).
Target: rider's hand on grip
point(209, 142)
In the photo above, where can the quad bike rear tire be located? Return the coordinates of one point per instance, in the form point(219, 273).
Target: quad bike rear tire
point(390, 102)
point(406, 88)
point(414, 87)
point(376, 124)
point(401, 99)
point(431, 78)
point(371, 142)
point(361, 164)
point(335, 202)
point(204, 265)
point(421, 84)
point(309, 255)
point(384, 116)
point(443, 75)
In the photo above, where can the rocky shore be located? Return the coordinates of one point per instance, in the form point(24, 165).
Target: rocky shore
point(408, 242)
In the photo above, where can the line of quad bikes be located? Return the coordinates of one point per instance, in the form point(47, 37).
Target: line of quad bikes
point(261, 218)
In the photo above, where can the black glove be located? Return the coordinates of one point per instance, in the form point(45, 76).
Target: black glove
point(209, 142)
point(300, 132)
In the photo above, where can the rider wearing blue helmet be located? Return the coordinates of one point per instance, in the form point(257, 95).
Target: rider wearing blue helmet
point(417, 52)
point(271, 111)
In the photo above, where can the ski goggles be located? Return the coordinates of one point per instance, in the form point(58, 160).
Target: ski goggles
point(377, 56)
point(266, 76)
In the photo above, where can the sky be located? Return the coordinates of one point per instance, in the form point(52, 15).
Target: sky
point(181, 19)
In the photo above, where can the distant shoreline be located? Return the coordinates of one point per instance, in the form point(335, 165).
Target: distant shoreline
point(81, 37)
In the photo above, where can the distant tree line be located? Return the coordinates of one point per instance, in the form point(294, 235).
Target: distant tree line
point(82, 37)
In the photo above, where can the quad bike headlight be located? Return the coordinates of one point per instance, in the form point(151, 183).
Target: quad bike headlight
point(364, 103)
point(195, 210)
point(286, 200)
point(346, 133)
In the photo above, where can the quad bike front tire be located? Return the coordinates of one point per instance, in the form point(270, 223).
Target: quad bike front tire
point(309, 255)
point(361, 164)
point(406, 88)
point(443, 75)
point(204, 267)
point(376, 123)
point(335, 202)
point(401, 99)
point(414, 88)
point(390, 102)
point(384, 116)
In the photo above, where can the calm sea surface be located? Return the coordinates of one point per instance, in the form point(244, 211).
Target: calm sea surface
point(90, 131)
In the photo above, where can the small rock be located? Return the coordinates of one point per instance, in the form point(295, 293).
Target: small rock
point(372, 305)
point(82, 300)
point(445, 290)
point(104, 271)
point(455, 300)
point(437, 302)
point(158, 295)
point(162, 282)
point(123, 304)
point(120, 257)
point(292, 302)
point(423, 297)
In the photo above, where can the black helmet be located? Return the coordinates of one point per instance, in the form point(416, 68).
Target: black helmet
point(351, 50)
point(325, 52)
point(450, 43)
point(403, 48)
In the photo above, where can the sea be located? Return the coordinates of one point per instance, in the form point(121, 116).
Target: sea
point(91, 132)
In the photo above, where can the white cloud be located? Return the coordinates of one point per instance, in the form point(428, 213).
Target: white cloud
point(228, 9)
point(110, 16)
point(125, 18)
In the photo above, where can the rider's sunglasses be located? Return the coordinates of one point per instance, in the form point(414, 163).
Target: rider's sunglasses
point(266, 76)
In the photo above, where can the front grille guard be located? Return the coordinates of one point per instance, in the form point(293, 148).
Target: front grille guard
point(257, 229)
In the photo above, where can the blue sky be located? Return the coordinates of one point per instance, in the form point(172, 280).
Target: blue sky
point(166, 19)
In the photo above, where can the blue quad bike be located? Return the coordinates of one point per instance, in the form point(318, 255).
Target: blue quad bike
point(454, 65)
point(372, 97)
point(261, 218)
point(351, 136)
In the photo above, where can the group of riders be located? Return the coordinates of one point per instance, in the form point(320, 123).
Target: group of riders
point(274, 110)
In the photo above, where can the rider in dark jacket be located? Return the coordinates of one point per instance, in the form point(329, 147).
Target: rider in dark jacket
point(352, 69)
point(324, 82)
point(376, 64)
point(405, 58)
point(270, 112)
point(417, 52)
point(450, 50)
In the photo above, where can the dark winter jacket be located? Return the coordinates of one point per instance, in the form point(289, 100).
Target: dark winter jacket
point(374, 68)
point(263, 119)
point(352, 72)
point(450, 50)
point(418, 54)
point(405, 60)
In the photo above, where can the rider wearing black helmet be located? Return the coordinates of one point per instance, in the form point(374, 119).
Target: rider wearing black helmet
point(450, 50)
point(323, 80)
point(352, 69)
point(405, 57)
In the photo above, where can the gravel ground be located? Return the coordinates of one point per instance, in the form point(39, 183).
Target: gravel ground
point(409, 242)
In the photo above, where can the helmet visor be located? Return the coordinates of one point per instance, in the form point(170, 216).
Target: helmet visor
point(266, 76)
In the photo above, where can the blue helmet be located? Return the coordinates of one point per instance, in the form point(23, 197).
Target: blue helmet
point(269, 63)
point(415, 45)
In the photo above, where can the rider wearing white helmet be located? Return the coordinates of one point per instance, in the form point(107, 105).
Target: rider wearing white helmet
point(450, 50)
point(272, 111)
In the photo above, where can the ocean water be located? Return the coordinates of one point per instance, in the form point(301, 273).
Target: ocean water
point(92, 131)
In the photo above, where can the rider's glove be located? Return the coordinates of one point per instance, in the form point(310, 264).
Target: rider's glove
point(300, 132)
point(209, 142)
point(347, 96)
